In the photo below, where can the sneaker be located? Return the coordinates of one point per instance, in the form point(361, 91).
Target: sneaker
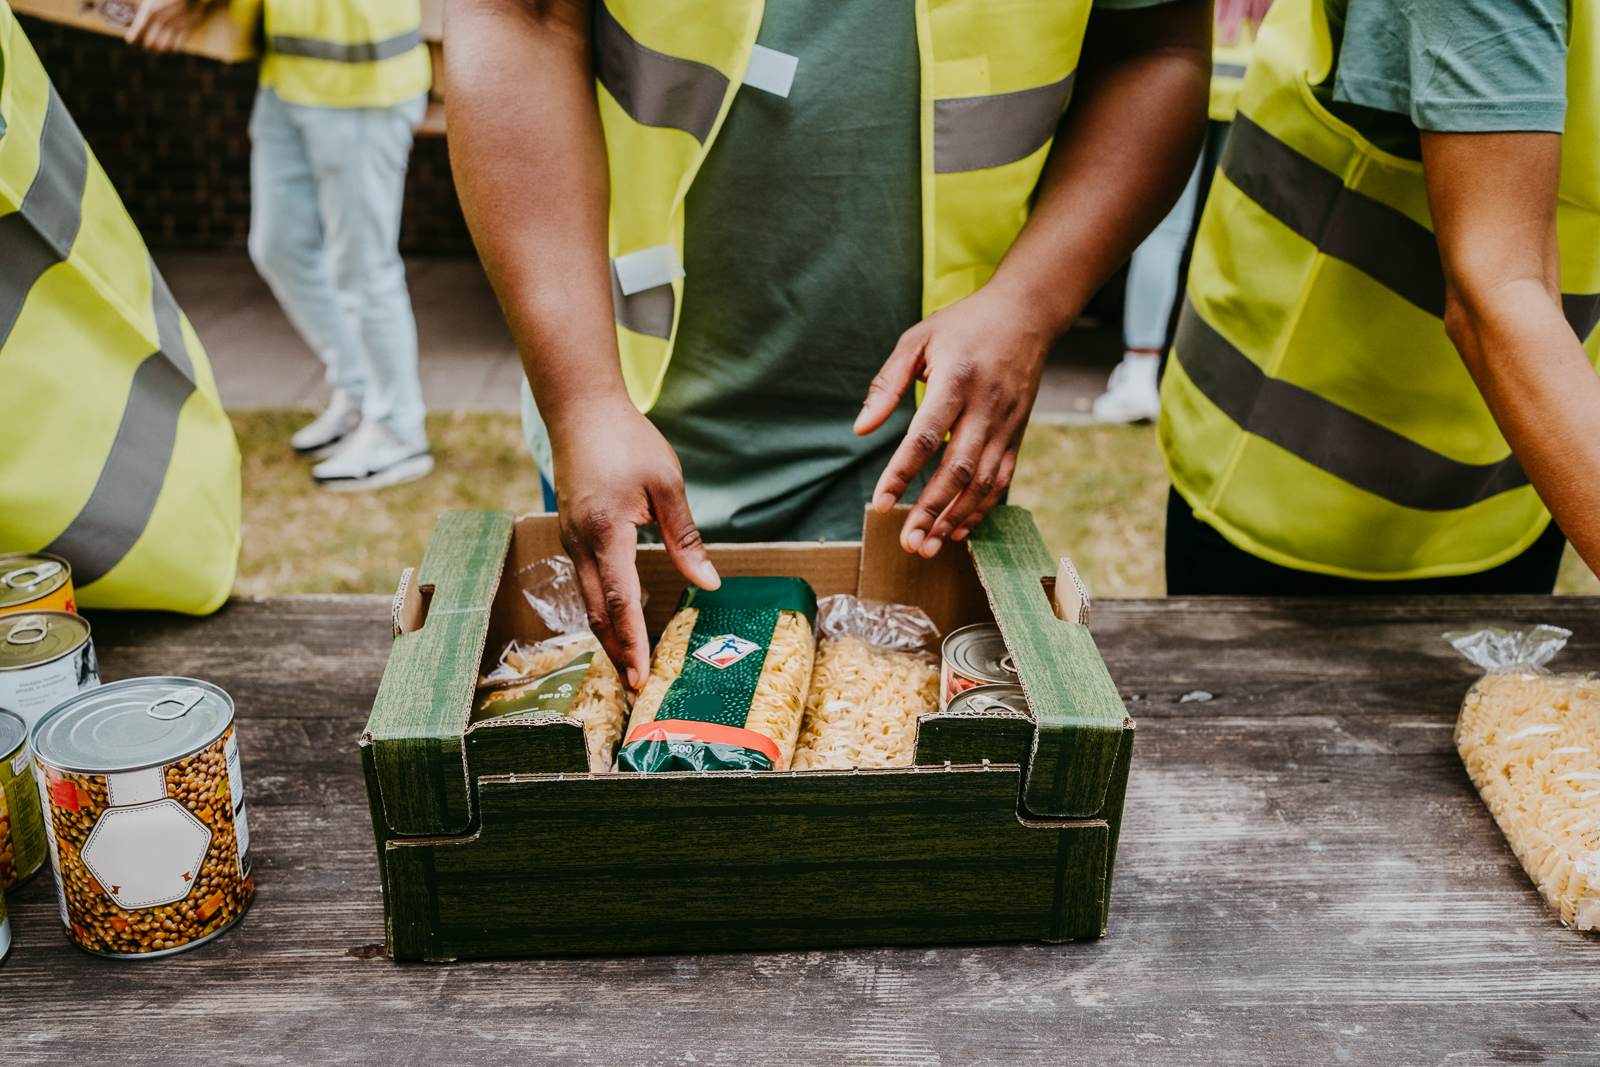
point(372, 458)
point(332, 426)
point(1132, 393)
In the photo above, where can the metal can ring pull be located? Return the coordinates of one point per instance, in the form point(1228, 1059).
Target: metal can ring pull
point(28, 630)
point(183, 700)
point(1008, 664)
point(37, 575)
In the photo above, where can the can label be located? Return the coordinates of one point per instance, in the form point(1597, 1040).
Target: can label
point(32, 691)
point(22, 847)
point(151, 860)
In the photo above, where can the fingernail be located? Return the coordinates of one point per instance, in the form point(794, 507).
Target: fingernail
point(914, 540)
point(884, 503)
point(929, 547)
point(709, 579)
point(633, 677)
point(959, 535)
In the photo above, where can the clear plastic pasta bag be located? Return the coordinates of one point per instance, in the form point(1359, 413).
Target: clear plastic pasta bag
point(1529, 740)
point(567, 674)
point(876, 674)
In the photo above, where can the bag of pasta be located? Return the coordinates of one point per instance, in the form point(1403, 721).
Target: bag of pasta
point(1529, 740)
point(563, 675)
point(727, 681)
point(877, 673)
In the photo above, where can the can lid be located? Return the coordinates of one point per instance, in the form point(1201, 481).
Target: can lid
point(13, 731)
point(979, 652)
point(134, 723)
point(26, 576)
point(1001, 697)
point(35, 637)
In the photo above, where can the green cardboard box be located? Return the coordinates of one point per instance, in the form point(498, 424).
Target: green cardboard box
point(494, 840)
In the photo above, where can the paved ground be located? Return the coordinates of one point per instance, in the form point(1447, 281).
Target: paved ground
point(467, 358)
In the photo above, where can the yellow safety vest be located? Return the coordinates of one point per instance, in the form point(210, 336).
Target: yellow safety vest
point(994, 84)
point(341, 53)
point(1228, 65)
point(114, 449)
point(1314, 411)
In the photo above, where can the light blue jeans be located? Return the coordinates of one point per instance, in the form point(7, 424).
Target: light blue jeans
point(1153, 273)
point(326, 185)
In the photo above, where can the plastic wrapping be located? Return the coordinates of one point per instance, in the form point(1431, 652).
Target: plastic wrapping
point(567, 674)
point(728, 680)
point(1530, 741)
point(876, 674)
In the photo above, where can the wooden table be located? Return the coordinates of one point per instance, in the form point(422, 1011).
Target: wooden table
point(1306, 877)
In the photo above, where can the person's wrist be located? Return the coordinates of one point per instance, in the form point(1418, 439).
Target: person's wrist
point(580, 416)
point(1034, 323)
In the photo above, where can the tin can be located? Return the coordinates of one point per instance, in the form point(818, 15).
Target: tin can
point(973, 656)
point(35, 581)
point(998, 699)
point(5, 929)
point(45, 657)
point(144, 809)
point(22, 847)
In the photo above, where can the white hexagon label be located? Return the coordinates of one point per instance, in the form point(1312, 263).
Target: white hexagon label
point(147, 855)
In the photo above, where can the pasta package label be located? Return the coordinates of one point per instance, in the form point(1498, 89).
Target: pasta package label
point(718, 697)
point(551, 695)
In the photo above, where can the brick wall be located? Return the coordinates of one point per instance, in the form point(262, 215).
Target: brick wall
point(171, 132)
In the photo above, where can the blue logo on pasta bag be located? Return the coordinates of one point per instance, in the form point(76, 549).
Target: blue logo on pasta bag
point(724, 650)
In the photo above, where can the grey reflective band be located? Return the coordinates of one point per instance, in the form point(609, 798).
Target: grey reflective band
point(1329, 437)
point(656, 89)
point(979, 132)
point(1387, 245)
point(124, 496)
point(1228, 70)
point(648, 311)
point(40, 234)
point(333, 51)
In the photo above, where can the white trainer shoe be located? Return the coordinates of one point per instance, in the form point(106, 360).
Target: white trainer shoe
point(372, 458)
point(335, 424)
point(1132, 393)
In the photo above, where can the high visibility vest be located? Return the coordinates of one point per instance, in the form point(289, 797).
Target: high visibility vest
point(1228, 65)
point(114, 449)
point(1314, 411)
point(341, 53)
point(995, 81)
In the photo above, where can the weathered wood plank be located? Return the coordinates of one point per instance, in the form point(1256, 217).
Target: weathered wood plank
point(1306, 876)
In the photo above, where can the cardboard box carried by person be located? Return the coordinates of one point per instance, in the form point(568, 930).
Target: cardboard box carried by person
point(495, 840)
point(218, 37)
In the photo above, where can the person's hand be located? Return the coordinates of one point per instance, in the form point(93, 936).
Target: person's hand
point(163, 25)
point(614, 473)
point(981, 358)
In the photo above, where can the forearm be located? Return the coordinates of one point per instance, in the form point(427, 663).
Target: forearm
point(1122, 156)
point(529, 160)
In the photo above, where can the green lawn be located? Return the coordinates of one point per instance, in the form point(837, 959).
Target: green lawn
point(1098, 493)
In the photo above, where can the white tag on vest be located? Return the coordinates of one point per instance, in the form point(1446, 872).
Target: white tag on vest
point(771, 71)
point(648, 268)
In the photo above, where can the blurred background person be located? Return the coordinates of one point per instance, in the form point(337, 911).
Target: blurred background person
point(1132, 393)
point(344, 84)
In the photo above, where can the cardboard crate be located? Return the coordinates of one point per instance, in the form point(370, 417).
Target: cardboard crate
point(494, 840)
point(218, 37)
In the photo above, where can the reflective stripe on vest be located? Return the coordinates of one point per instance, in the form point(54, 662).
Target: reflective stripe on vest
point(1314, 411)
point(995, 84)
point(342, 53)
point(92, 341)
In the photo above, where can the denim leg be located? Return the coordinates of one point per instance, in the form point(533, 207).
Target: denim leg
point(286, 241)
point(359, 156)
point(1153, 274)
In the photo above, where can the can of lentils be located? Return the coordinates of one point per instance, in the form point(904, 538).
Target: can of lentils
point(35, 581)
point(45, 657)
point(22, 847)
point(973, 656)
point(998, 699)
point(144, 809)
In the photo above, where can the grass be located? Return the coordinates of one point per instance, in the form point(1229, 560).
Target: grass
point(1098, 493)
